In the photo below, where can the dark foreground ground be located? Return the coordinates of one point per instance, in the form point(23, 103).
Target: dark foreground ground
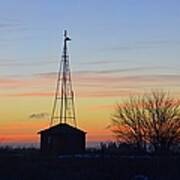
point(17, 167)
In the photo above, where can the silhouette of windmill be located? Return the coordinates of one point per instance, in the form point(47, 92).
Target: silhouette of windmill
point(64, 107)
point(60, 137)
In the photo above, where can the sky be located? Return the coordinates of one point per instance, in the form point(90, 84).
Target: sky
point(118, 48)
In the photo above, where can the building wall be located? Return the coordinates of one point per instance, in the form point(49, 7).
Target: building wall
point(62, 143)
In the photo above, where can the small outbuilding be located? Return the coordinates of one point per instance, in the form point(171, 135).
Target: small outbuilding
point(62, 139)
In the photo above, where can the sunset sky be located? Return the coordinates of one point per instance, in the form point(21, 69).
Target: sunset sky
point(118, 48)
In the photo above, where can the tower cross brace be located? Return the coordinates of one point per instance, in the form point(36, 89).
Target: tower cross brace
point(63, 110)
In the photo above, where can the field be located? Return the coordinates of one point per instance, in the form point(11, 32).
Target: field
point(22, 166)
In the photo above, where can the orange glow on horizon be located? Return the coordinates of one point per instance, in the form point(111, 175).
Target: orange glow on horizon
point(95, 102)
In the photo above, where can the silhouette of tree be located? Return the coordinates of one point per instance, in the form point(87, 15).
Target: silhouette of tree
point(152, 119)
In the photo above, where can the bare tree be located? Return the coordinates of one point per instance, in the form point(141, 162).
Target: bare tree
point(163, 125)
point(152, 119)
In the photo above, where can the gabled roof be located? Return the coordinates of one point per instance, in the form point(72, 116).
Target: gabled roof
point(62, 128)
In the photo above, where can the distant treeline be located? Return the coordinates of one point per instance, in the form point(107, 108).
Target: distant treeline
point(110, 148)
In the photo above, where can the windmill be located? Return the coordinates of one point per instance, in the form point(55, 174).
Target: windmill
point(61, 137)
point(63, 110)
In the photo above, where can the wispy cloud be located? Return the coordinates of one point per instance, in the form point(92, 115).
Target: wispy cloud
point(159, 42)
point(102, 107)
point(29, 94)
point(99, 62)
point(42, 115)
point(47, 75)
point(100, 93)
point(10, 83)
point(88, 84)
point(9, 25)
point(144, 45)
point(108, 71)
point(128, 69)
point(119, 70)
point(20, 82)
point(14, 63)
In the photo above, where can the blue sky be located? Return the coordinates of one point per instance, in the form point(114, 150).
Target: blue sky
point(130, 33)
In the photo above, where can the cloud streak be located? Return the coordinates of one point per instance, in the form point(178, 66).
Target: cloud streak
point(88, 84)
point(6, 25)
point(9, 25)
point(30, 94)
point(144, 45)
point(18, 64)
point(42, 115)
point(122, 70)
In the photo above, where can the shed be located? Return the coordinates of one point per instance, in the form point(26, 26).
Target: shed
point(62, 139)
